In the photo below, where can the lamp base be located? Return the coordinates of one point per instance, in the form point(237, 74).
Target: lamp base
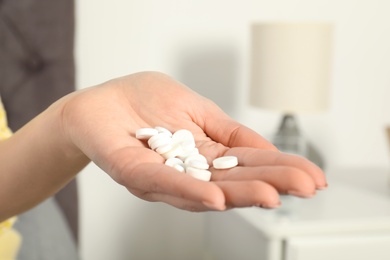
point(288, 139)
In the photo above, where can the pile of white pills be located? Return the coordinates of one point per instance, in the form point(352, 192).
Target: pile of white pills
point(180, 152)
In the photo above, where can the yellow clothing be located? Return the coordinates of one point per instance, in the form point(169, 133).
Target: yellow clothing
point(5, 132)
point(9, 239)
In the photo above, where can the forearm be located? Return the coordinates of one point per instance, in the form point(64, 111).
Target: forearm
point(36, 162)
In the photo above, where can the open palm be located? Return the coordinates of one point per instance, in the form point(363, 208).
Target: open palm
point(101, 121)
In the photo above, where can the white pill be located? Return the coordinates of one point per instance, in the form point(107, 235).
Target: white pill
point(164, 148)
point(145, 133)
point(175, 151)
point(179, 167)
point(162, 141)
point(204, 175)
point(197, 164)
point(225, 162)
point(161, 129)
point(185, 154)
point(157, 137)
point(197, 157)
point(182, 135)
point(188, 145)
point(173, 161)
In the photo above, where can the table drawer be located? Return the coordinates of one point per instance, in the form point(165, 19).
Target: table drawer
point(340, 247)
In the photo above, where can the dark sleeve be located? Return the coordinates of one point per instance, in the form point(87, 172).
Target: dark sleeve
point(37, 67)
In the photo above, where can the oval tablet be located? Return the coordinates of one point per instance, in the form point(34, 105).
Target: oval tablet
point(158, 136)
point(164, 148)
point(197, 164)
point(225, 162)
point(145, 133)
point(175, 151)
point(173, 161)
point(182, 135)
point(197, 157)
point(179, 167)
point(185, 154)
point(161, 129)
point(162, 141)
point(188, 145)
point(199, 174)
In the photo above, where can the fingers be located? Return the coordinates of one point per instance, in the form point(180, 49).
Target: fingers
point(237, 194)
point(286, 180)
point(251, 157)
point(143, 172)
point(180, 203)
point(162, 183)
point(256, 182)
point(148, 178)
point(249, 193)
point(157, 178)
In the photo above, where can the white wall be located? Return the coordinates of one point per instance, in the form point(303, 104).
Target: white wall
point(118, 37)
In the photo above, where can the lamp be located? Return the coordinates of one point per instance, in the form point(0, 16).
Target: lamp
point(290, 73)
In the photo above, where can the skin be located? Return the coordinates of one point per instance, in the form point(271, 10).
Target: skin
point(99, 123)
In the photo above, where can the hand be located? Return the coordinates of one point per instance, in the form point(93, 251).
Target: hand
point(101, 122)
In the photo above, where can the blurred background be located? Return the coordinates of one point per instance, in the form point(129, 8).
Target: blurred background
point(206, 45)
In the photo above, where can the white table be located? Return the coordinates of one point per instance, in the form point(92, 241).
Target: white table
point(349, 220)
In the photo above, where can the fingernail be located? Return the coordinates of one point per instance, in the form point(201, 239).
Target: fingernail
point(214, 206)
point(301, 194)
point(277, 205)
point(270, 206)
point(323, 187)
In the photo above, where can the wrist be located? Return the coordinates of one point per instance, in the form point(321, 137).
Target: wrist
point(64, 126)
point(39, 159)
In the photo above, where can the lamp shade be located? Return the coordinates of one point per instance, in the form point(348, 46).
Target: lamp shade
point(290, 66)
